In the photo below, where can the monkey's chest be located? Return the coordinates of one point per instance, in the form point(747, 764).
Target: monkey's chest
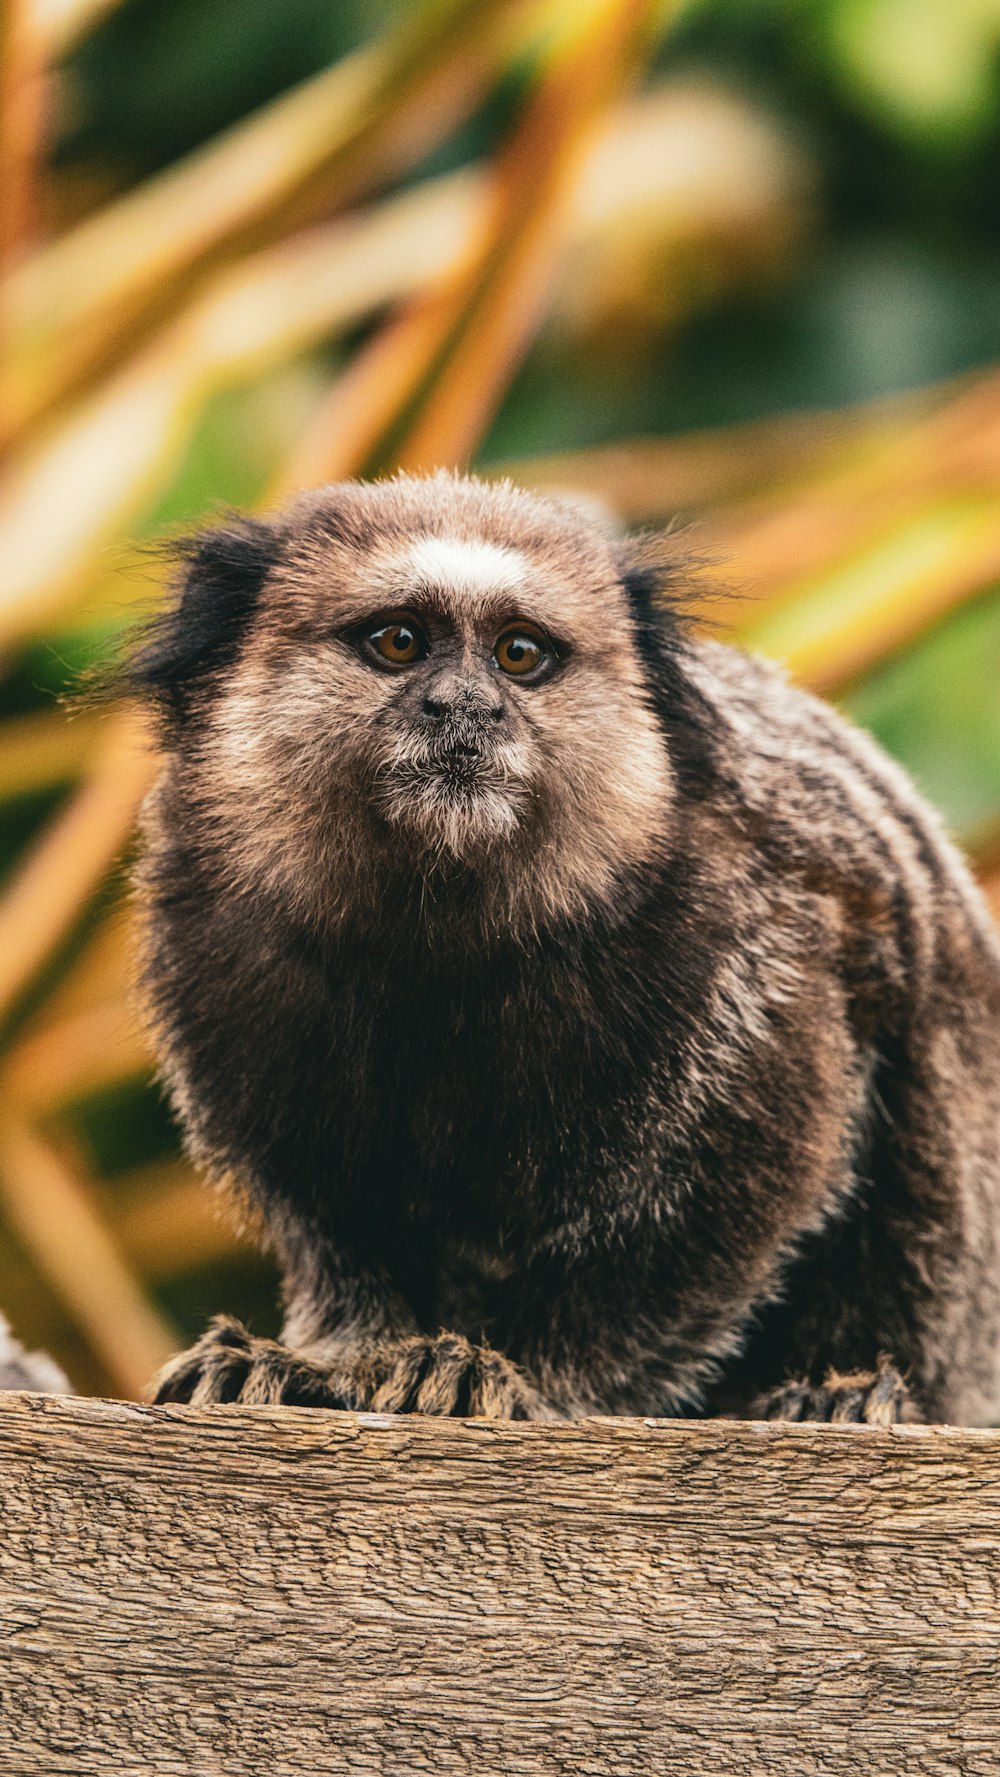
point(466, 1131)
point(468, 1287)
point(482, 1117)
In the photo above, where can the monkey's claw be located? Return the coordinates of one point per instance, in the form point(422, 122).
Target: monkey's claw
point(442, 1375)
point(447, 1375)
point(230, 1364)
point(867, 1397)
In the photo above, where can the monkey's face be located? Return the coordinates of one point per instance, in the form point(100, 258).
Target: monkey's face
point(438, 671)
point(448, 666)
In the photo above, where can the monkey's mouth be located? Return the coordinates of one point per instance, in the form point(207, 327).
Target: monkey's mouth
point(465, 770)
point(455, 793)
point(461, 762)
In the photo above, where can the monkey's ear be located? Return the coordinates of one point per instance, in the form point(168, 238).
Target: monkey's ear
point(199, 632)
point(660, 582)
point(656, 573)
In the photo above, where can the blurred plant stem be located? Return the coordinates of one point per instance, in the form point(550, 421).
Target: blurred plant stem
point(421, 393)
point(443, 245)
point(50, 1207)
point(83, 303)
point(59, 24)
point(69, 860)
point(869, 526)
point(22, 115)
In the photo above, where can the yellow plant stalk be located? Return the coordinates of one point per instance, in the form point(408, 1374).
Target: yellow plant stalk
point(68, 497)
point(77, 1056)
point(648, 480)
point(422, 391)
point(51, 1208)
point(100, 971)
point(89, 477)
point(22, 117)
point(43, 750)
point(891, 475)
point(59, 24)
point(364, 405)
point(22, 71)
point(70, 859)
point(166, 1221)
point(525, 236)
point(833, 628)
point(95, 293)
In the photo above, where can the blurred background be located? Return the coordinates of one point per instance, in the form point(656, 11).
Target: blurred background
point(733, 261)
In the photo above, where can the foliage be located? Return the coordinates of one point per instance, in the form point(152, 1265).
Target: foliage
point(596, 243)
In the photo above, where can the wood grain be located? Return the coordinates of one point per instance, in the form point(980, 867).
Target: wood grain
point(270, 1592)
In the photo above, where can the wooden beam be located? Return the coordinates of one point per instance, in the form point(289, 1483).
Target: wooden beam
point(270, 1590)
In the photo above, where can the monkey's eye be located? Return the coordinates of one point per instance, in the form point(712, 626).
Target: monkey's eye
point(400, 642)
point(522, 650)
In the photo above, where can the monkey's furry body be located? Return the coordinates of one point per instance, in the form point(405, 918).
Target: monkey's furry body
point(615, 1032)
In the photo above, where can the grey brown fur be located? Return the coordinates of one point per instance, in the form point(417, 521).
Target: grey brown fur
point(33, 1370)
point(623, 1040)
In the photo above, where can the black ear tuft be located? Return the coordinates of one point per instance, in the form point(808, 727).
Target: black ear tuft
point(200, 632)
point(655, 573)
point(653, 618)
point(658, 577)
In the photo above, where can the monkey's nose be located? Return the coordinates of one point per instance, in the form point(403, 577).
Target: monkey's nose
point(463, 705)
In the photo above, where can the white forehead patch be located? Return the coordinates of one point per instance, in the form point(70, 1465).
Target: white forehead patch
point(464, 566)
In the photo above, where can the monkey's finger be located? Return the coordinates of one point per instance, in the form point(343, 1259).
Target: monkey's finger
point(181, 1376)
point(221, 1381)
point(279, 1378)
point(178, 1378)
point(335, 1389)
point(499, 1391)
point(790, 1402)
point(174, 1388)
point(447, 1378)
point(848, 1406)
point(820, 1406)
point(224, 1330)
point(267, 1382)
point(397, 1391)
point(885, 1398)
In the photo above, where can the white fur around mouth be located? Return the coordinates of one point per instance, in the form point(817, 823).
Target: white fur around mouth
point(469, 802)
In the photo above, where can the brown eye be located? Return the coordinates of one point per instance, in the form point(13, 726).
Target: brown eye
point(520, 651)
point(400, 642)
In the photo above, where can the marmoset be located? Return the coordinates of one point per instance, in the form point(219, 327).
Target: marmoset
point(591, 1021)
point(33, 1370)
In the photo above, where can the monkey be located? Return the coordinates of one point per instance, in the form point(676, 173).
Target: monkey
point(589, 1020)
point(22, 1369)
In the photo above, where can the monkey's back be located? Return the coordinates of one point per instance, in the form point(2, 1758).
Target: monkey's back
point(917, 1253)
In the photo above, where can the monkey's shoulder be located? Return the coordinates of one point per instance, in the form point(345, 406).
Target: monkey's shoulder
point(797, 767)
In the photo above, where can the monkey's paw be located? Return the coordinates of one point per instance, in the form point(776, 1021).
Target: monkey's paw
point(445, 1375)
point(442, 1375)
point(230, 1364)
point(867, 1397)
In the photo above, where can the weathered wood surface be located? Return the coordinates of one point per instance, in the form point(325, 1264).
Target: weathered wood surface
point(273, 1593)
